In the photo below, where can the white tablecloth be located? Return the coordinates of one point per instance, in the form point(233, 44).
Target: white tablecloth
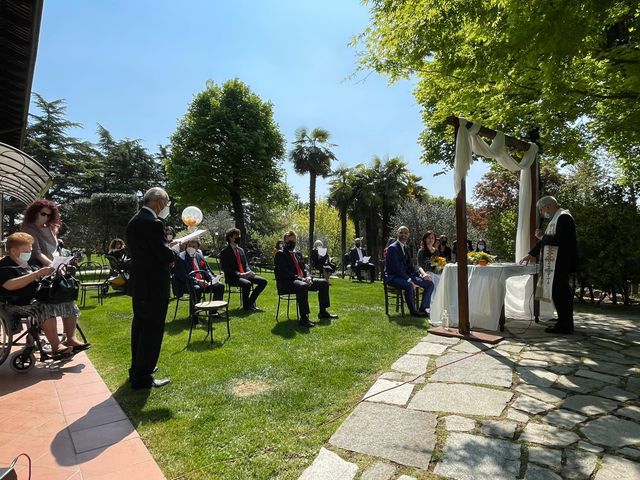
point(486, 293)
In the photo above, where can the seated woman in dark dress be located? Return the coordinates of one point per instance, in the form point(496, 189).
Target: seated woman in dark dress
point(18, 284)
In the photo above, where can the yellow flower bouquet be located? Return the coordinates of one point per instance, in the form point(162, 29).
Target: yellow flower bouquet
point(479, 258)
point(438, 263)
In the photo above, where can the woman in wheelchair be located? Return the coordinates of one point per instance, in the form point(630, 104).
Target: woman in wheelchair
point(19, 283)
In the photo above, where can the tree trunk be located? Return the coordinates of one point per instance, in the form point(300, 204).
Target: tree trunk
point(343, 236)
point(356, 226)
point(312, 209)
point(238, 211)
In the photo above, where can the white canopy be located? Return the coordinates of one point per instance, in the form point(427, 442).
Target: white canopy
point(21, 176)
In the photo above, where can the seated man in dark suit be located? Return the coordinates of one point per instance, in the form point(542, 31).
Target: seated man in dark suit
point(233, 262)
point(356, 258)
point(400, 272)
point(292, 277)
point(191, 260)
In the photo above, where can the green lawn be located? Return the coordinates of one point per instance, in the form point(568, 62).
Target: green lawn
point(214, 421)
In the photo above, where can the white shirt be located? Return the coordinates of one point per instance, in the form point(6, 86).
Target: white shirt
point(360, 256)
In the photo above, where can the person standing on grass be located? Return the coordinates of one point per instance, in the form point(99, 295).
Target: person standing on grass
point(151, 258)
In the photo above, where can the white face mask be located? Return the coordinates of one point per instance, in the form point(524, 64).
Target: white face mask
point(480, 247)
point(164, 213)
point(547, 215)
point(191, 251)
point(169, 237)
point(25, 256)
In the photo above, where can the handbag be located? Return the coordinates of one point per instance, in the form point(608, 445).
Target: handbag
point(60, 287)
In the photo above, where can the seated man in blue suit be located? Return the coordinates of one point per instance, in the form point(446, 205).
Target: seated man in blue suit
point(400, 272)
point(191, 260)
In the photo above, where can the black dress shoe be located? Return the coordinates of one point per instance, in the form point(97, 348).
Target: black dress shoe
point(326, 314)
point(155, 369)
point(305, 322)
point(418, 314)
point(160, 382)
point(561, 330)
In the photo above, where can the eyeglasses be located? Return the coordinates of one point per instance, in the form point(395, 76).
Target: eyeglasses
point(43, 214)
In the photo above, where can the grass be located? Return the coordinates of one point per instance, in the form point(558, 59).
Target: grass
point(257, 405)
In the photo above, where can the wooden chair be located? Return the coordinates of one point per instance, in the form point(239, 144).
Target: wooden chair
point(208, 307)
point(395, 297)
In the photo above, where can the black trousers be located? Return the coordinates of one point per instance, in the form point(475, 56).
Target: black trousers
point(248, 297)
point(147, 330)
point(301, 289)
point(359, 267)
point(562, 297)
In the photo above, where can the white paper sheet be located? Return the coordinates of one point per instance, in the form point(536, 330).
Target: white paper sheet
point(191, 236)
point(57, 261)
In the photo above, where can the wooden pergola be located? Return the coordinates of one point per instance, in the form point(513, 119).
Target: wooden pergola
point(464, 329)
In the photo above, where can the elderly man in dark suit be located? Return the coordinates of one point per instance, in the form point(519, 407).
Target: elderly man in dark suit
point(292, 276)
point(356, 258)
point(400, 272)
point(236, 271)
point(151, 258)
point(557, 247)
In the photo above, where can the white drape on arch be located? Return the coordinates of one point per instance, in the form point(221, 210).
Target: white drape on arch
point(519, 296)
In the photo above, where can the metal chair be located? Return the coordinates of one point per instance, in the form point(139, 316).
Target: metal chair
point(208, 307)
point(287, 297)
point(92, 276)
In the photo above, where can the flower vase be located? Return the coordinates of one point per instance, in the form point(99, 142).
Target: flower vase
point(482, 263)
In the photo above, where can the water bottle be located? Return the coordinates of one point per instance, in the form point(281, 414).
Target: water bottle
point(444, 318)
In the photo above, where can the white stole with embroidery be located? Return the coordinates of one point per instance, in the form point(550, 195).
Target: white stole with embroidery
point(548, 261)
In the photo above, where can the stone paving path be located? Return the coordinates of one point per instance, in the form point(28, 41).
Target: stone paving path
point(534, 406)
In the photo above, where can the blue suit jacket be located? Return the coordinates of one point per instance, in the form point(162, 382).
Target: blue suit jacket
point(183, 267)
point(397, 265)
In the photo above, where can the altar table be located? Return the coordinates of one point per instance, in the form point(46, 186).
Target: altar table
point(486, 293)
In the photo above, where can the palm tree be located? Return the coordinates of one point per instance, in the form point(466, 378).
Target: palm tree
point(340, 196)
point(311, 154)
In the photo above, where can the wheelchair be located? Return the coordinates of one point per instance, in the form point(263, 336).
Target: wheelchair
point(13, 334)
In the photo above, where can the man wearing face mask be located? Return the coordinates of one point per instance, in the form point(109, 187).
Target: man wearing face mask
point(189, 261)
point(292, 276)
point(237, 272)
point(151, 258)
point(356, 258)
point(558, 253)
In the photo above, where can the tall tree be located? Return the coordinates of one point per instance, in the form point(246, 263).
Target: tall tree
point(570, 69)
point(227, 148)
point(311, 154)
point(340, 196)
point(67, 158)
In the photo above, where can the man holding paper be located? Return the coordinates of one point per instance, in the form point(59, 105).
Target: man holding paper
point(360, 261)
point(237, 272)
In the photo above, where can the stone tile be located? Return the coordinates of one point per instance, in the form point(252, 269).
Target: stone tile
point(549, 457)
point(536, 376)
point(578, 384)
point(456, 423)
point(612, 432)
point(580, 464)
point(395, 393)
point(378, 471)
point(633, 384)
point(511, 348)
point(402, 377)
point(634, 453)
point(546, 394)
point(603, 377)
point(532, 363)
point(428, 348)
point(438, 339)
point(98, 416)
point(499, 428)
point(561, 369)
point(615, 393)
point(464, 399)
point(403, 436)
point(102, 435)
point(414, 364)
point(531, 405)
point(589, 404)
point(606, 367)
point(329, 466)
point(563, 418)
point(589, 447)
point(471, 347)
point(547, 435)
point(616, 468)
point(480, 369)
point(538, 473)
point(629, 412)
point(517, 416)
point(468, 457)
point(406, 477)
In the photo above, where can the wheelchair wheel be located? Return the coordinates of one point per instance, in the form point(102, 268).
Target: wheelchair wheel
point(5, 339)
point(21, 363)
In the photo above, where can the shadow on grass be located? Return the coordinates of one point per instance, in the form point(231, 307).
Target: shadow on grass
point(288, 329)
point(409, 321)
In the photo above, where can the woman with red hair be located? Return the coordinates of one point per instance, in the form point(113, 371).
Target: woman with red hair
point(42, 222)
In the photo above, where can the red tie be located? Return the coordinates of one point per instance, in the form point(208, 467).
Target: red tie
point(240, 267)
point(295, 260)
point(195, 267)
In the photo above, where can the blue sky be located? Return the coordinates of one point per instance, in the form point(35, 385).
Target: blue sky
point(134, 66)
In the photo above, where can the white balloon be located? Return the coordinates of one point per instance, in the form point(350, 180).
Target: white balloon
point(191, 216)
